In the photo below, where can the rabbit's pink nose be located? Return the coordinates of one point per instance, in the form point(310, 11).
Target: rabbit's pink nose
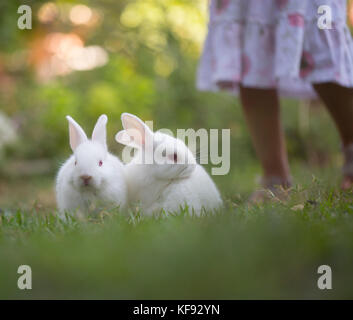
point(86, 179)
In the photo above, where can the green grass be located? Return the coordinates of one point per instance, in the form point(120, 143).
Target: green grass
point(269, 251)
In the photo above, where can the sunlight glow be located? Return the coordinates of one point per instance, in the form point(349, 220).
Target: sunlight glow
point(87, 58)
point(67, 53)
point(187, 22)
point(48, 12)
point(80, 14)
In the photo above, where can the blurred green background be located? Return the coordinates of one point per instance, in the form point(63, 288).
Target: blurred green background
point(141, 57)
point(85, 58)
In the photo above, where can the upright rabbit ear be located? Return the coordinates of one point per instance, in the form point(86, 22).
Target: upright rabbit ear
point(136, 133)
point(99, 133)
point(77, 135)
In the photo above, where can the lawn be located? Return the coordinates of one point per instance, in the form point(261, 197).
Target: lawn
point(269, 251)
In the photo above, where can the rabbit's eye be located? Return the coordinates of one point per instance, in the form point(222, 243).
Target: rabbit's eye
point(175, 157)
point(100, 163)
point(75, 162)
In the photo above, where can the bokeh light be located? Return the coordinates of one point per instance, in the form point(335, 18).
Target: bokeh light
point(48, 12)
point(87, 58)
point(64, 53)
point(80, 14)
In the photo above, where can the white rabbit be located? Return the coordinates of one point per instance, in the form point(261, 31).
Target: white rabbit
point(91, 175)
point(164, 174)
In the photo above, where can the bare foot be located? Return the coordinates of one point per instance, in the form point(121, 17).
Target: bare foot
point(262, 196)
point(275, 189)
point(347, 183)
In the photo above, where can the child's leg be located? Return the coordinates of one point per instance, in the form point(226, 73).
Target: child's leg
point(339, 102)
point(262, 113)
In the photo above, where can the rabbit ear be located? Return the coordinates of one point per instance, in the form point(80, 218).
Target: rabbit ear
point(138, 132)
point(99, 133)
point(77, 135)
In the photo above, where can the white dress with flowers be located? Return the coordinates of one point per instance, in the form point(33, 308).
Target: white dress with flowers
point(276, 44)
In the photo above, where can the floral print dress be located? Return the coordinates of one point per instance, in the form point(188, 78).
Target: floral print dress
point(275, 44)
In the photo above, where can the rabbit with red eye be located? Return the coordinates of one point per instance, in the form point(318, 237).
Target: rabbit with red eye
point(91, 176)
point(164, 174)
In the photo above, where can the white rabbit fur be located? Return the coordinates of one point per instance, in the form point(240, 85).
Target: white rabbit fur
point(107, 183)
point(168, 182)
